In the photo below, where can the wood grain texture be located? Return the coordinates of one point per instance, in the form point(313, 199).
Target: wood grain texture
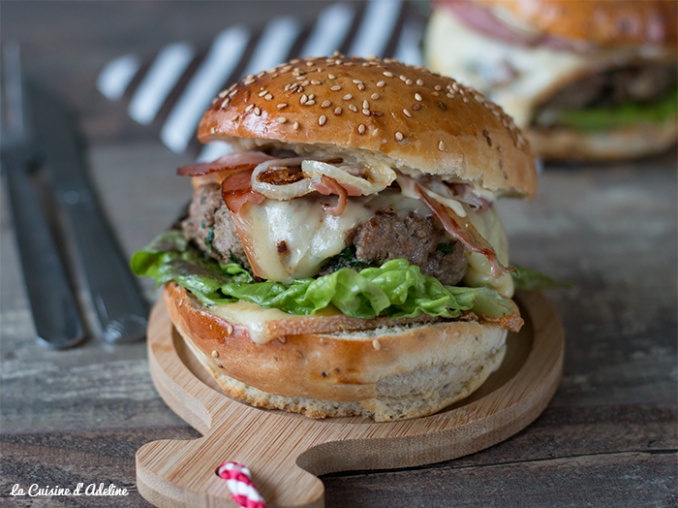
point(286, 451)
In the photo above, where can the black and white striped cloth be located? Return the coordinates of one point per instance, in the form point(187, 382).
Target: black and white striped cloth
point(170, 90)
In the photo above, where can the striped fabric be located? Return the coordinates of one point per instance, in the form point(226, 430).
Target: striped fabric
point(170, 90)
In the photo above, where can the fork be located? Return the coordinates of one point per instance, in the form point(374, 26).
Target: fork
point(53, 305)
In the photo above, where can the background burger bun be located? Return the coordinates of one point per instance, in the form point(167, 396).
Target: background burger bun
point(413, 119)
point(619, 144)
point(601, 22)
point(386, 374)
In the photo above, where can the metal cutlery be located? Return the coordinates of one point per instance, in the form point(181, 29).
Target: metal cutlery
point(116, 299)
point(53, 304)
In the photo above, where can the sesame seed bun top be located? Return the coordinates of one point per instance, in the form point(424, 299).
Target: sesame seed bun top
point(601, 22)
point(417, 120)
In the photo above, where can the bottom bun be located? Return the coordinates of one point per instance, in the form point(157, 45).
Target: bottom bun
point(387, 374)
point(619, 144)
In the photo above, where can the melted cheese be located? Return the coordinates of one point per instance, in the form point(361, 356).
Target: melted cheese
point(290, 240)
point(479, 271)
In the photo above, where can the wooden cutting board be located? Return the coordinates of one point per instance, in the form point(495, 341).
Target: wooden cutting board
point(286, 452)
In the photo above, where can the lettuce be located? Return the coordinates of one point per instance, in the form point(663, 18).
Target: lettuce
point(395, 289)
point(629, 113)
point(526, 279)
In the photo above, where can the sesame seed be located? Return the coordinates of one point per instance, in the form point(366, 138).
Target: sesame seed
point(417, 97)
point(309, 102)
point(388, 74)
point(441, 146)
point(215, 354)
point(281, 119)
point(312, 96)
point(322, 120)
point(450, 95)
point(374, 96)
point(306, 82)
point(438, 88)
point(225, 103)
point(366, 105)
point(296, 126)
point(381, 84)
point(357, 81)
point(407, 113)
point(376, 344)
point(420, 82)
point(229, 329)
point(262, 93)
point(257, 111)
point(282, 105)
point(361, 128)
point(337, 111)
point(268, 97)
point(416, 107)
point(315, 82)
point(331, 76)
point(326, 104)
point(335, 88)
point(249, 108)
point(303, 99)
point(352, 108)
point(366, 112)
point(399, 136)
point(347, 97)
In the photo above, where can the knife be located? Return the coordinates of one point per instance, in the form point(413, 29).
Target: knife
point(116, 298)
point(53, 305)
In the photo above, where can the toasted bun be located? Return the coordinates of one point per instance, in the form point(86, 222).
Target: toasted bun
point(619, 144)
point(601, 22)
point(417, 120)
point(387, 374)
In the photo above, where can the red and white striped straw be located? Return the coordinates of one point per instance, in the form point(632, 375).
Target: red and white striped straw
point(239, 481)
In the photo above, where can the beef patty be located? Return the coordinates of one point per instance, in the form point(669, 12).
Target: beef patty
point(387, 235)
point(615, 86)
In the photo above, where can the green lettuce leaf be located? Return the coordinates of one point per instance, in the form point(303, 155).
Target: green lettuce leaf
point(396, 288)
point(629, 113)
point(526, 279)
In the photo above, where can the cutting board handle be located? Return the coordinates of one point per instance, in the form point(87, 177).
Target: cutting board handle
point(185, 471)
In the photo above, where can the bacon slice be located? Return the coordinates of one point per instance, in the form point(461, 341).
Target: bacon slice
point(232, 162)
point(462, 229)
point(236, 190)
point(327, 186)
point(482, 19)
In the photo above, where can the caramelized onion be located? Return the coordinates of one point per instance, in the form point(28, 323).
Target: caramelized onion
point(378, 180)
point(284, 191)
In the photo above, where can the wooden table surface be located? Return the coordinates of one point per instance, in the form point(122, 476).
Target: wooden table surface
point(608, 437)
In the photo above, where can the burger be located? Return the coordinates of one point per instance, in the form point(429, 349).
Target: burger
point(346, 257)
point(589, 80)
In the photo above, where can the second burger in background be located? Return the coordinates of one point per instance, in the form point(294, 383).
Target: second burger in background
point(590, 80)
